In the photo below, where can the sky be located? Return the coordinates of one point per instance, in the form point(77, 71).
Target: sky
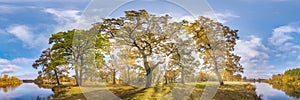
point(268, 29)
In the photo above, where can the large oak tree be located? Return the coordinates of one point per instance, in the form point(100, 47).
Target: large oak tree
point(146, 33)
point(215, 43)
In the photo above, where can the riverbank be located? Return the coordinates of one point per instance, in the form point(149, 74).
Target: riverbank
point(230, 91)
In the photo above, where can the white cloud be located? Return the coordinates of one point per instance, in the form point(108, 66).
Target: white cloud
point(271, 67)
point(280, 34)
point(221, 17)
point(7, 66)
point(15, 65)
point(284, 39)
point(70, 19)
point(13, 9)
point(67, 19)
point(27, 76)
point(285, 46)
point(288, 47)
point(23, 61)
point(188, 18)
point(252, 51)
point(260, 74)
point(9, 69)
point(8, 9)
point(25, 34)
point(4, 61)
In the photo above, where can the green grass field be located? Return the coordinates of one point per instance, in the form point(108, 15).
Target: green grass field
point(229, 91)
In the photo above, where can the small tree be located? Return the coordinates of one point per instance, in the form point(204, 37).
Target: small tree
point(51, 62)
point(5, 77)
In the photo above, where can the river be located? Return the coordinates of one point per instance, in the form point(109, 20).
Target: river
point(25, 91)
point(267, 92)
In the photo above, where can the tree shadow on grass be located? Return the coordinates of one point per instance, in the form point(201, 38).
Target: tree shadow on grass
point(129, 94)
point(111, 94)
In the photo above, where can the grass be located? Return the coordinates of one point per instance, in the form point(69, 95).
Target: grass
point(229, 91)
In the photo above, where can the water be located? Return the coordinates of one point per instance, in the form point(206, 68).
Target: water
point(26, 91)
point(267, 92)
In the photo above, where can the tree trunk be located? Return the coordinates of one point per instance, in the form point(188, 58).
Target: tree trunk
point(166, 79)
point(219, 78)
point(158, 78)
point(76, 76)
point(80, 70)
point(114, 76)
point(57, 78)
point(148, 72)
point(80, 77)
point(149, 78)
point(182, 74)
point(174, 80)
point(217, 72)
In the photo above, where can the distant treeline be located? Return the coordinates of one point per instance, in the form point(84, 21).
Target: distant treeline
point(289, 82)
point(8, 81)
point(290, 77)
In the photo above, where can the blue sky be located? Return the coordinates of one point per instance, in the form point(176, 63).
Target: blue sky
point(268, 29)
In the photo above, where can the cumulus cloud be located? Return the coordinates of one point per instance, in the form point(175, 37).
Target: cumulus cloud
point(252, 51)
point(284, 38)
point(25, 34)
point(4, 61)
point(9, 69)
point(16, 67)
point(66, 19)
point(7, 66)
point(281, 34)
point(255, 55)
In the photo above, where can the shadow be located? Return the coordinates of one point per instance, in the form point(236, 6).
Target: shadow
point(132, 93)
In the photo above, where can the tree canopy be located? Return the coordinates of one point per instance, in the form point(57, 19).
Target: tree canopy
point(142, 43)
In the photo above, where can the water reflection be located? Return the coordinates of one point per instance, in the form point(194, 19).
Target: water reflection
point(290, 90)
point(26, 91)
point(7, 88)
point(268, 92)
